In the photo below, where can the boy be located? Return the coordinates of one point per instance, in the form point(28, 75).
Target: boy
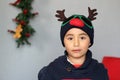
point(77, 35)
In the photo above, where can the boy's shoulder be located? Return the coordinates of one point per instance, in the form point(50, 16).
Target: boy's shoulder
point(98, 64)
point(55, 62)
point(58, 60)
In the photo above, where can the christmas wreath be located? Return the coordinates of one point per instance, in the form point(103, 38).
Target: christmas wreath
point(23, 29)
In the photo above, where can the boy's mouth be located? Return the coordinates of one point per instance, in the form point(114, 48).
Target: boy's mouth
point(76, 50)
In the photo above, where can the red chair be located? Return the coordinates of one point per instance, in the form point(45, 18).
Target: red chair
point(113, 66)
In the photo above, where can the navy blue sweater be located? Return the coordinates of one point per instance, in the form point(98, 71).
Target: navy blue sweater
point(61, 69)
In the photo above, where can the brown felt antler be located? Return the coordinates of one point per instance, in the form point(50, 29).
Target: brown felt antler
point(60, 14)
point(92, 13)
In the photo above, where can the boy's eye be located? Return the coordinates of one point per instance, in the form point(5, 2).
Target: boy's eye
point(69, 38)
point(82, 37)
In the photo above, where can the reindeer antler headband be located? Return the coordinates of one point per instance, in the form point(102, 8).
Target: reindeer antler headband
point(92, 13)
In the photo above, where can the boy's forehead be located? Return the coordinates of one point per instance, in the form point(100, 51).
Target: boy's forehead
point(76, 34)
point(76, 31)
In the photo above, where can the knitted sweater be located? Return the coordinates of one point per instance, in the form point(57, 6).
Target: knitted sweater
point(61, 69)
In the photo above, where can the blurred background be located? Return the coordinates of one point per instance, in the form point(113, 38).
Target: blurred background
point(25, 62)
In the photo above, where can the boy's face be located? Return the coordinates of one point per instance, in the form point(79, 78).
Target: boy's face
point(76, 43)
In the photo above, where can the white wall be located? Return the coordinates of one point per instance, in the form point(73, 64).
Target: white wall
point(24, 63)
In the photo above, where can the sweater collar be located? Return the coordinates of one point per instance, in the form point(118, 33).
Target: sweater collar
point(84, 65)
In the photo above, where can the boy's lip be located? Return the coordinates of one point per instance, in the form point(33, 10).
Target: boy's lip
point(76, 50)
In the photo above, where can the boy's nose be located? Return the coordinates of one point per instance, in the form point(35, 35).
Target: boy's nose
point(76, 42)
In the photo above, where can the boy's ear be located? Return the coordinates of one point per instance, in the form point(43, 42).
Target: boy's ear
point(89, 44)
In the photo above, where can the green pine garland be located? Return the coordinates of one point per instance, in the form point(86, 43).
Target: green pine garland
point(23, 30)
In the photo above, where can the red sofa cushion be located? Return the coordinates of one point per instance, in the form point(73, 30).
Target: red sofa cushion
point(113, 66)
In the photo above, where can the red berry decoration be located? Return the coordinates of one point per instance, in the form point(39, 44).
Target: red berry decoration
point(27, 35)
point(25, 11)
point(22, 22)
point(76, 22)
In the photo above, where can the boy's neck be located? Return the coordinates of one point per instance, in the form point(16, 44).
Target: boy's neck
point(73, 61)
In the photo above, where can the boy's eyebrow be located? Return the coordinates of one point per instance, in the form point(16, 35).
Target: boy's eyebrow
point(69, 35)
point(79, 34)
point(83, 34)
